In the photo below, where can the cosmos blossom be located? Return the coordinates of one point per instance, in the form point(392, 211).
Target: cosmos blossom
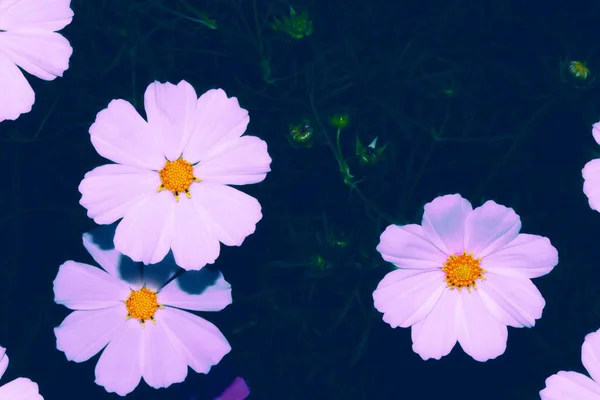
point(28, 40)
point(138, 324)
point(170, 183)
point(591, 175)
point(462, 275)
point(573, 385)
point(17, 389)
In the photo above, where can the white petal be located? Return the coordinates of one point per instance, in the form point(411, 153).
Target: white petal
point(41, 53)
point(162, 365)
point(435, 336)
point(489, 228)
point(171, 111)
point(84, 287)
point(3, 361)
point(17, 95)
point(480, 335)
point(121, 135)
point(443, 222)
point(406, 297)
point(218, 119)
point(111, 191)
point(20, 389)
point(82, 334)
point(195, 339)
point(145, 234)
point(193, 244)
point(119, 369)
point(47, 15)
point(202, 290)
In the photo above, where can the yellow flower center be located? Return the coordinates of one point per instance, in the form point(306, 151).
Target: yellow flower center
point(462, 270)
point(177, 176)
point(142, 304)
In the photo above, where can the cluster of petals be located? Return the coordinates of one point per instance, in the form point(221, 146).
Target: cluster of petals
point(567, 385)
point(416, 294)
point(158, 351)
point(17, 389)
point(28, 39)
point(205, 132)
point(591, 175)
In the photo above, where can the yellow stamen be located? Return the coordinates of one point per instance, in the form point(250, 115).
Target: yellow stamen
point(142, 304)
point(463, 270)
point(177, 176)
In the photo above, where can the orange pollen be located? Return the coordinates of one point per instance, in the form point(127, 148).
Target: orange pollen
point(142, 304)
point(463, 270)
point(177, 176)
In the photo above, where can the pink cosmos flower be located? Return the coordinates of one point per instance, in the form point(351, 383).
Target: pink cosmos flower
point(591, 175)
point(18, 389)
point(28, 39)
point(170, 183)
point(463, 275)
point(566, 385)
point(139, 323)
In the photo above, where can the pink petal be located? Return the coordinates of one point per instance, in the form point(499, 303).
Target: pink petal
point(480, 335)
point(435, 336)
point(406, 297)
point(49, 15)
point(3, 361)
point(119, 369)
point(408, 247)
point(84, 287)
point(192, 243)
point(20, 389)
point(111, 191)
point(108, 259)
point(443, 222)
point(235, 162)
point(590, 354)
point(218, 119)
point(232, 214)
point(82, 334)
point(512, 300)
point(171, 112)
point(161, 366)
point(238, 390)
point(591, 183)
point(596, 132)
point(121, 135)
point(145, 233)
point(17, 97)
point(215, 297)
point(43, 54)
point(196, 340)
point(490, 227)
point(570, 385)
point(528, 255)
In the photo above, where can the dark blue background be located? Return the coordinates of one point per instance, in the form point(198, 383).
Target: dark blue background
point(513, 131)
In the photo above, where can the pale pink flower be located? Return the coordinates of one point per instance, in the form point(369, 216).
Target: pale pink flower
point(591, 175)
point(28, 39)
point(463, 275)
point(170, 183)
point(567, 385)
point(17, 389)
point(139, 325)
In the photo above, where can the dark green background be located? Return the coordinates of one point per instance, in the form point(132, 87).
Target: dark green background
point(514, 132)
